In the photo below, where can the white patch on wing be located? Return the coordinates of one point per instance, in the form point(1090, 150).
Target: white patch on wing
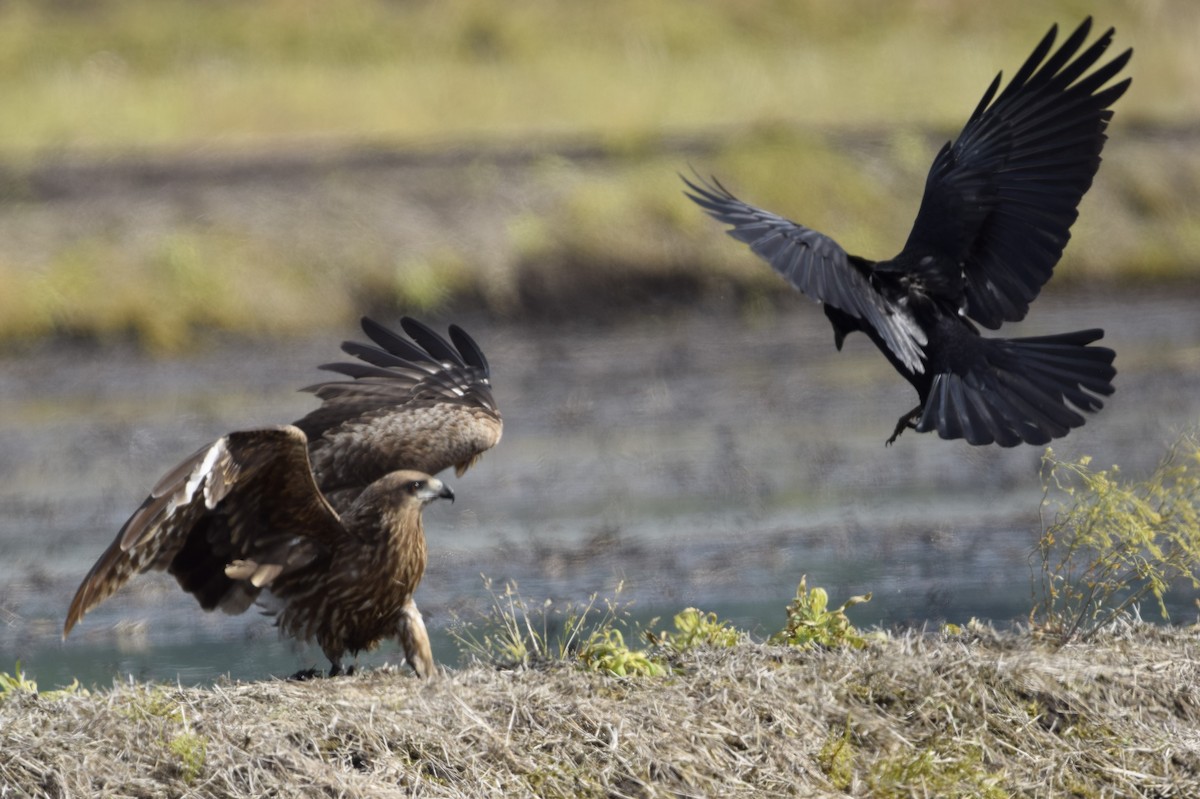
point(197, 478)
point(205, 467)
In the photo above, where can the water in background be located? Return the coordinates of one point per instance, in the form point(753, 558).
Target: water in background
point(697, 459)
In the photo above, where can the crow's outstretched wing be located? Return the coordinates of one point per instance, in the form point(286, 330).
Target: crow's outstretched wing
point(225, 522)
point(1000, 201)
point(816, 265)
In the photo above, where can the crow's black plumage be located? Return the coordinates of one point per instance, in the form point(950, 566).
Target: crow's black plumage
point(996, 214)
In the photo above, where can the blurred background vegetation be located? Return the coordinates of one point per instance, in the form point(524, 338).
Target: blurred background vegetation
point(173, 168)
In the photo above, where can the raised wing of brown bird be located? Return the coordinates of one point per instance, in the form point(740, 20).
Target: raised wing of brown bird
point(421, 403)
point(244, 515)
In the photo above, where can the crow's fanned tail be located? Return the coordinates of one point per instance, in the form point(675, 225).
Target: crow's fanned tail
point(1020, 390)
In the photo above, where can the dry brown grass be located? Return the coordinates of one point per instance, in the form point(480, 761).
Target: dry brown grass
point(976, 714)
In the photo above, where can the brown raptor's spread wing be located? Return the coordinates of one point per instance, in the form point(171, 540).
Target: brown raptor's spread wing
point(225, 522)
point(420, 402)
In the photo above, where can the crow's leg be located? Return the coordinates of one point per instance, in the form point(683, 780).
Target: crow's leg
point(906, 421)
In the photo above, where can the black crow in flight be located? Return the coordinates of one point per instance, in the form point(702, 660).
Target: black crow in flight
point(996, 214)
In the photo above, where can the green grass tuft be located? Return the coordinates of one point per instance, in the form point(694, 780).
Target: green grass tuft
point(798, 107)
point(695, 628)
point(17, 683)
point(192, 751)
point(605, 651)
point(810, 622)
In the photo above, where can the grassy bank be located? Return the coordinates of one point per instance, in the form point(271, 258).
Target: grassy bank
point(972, 714)
point(1086, 700)
point(165, 249)
point(117, 74)
point(269, 168)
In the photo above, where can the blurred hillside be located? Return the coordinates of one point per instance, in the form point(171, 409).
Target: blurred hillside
point(174, 167)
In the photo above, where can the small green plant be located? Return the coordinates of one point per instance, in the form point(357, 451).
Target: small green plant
point(605, 651)
point(936, 768)
point(192, 751)
point(836, 758)
point(694, 628)
point(153, 703)
point(810, 622)
point(18, 682)
point(1114, 543)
